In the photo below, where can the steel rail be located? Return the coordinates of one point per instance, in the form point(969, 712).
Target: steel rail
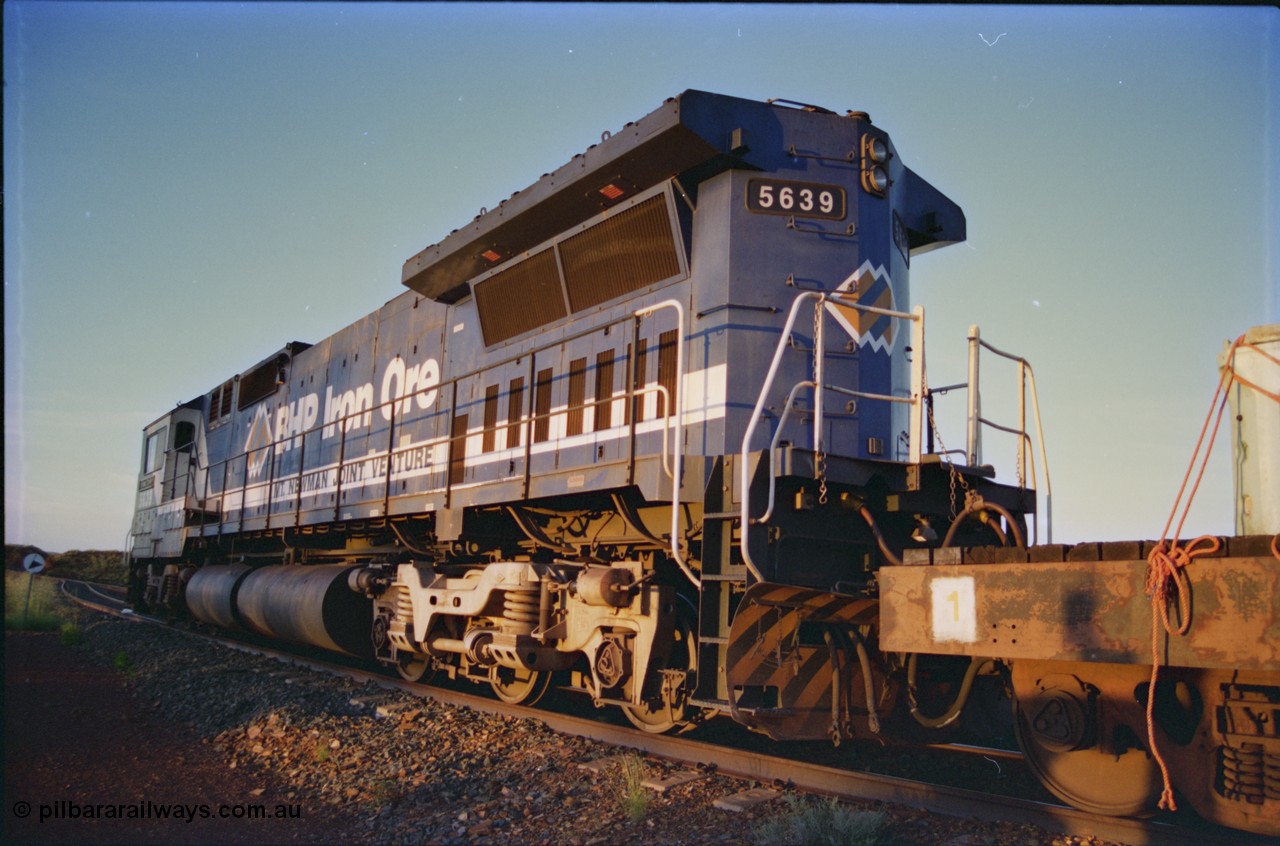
point(96, 606)
point(801, 775)
point(795, 774)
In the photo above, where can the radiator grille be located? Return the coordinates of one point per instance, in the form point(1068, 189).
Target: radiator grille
point(624, 253)
point(521, 298)
point(260, 383)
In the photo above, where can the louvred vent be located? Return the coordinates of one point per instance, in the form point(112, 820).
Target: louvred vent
point(619, 255)
point(520, 298)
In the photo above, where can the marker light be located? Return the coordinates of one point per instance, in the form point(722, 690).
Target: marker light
point(611, 191)
point(875, 159)
point(875, 180)
point(876, 149)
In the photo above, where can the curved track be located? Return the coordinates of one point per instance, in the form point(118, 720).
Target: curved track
point(747, 764)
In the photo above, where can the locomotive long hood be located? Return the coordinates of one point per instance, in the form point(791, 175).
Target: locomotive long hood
point(693, 134)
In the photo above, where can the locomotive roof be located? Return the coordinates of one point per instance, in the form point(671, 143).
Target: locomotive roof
point(696, 134)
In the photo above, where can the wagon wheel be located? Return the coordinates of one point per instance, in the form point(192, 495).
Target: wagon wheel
point(413, 667)
point(1091, 779)
point(671, 711)
point(519, 687)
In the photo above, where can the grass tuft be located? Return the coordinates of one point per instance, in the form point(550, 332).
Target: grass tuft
point(634, 797)
point(384, 792)
point(813, 823)
point(42, 613)
point(72, 635)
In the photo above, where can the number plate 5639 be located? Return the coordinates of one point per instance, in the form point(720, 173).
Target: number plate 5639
point(805, 199)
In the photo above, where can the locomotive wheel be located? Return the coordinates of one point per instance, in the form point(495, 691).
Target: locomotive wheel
point(414, 668)
point(519, 687)
point(660, 717)
point(1091, 779)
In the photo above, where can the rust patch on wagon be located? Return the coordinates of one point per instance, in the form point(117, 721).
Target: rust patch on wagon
point(1095, 611)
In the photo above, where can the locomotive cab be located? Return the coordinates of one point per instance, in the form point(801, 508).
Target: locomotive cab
point(167, 482)
point(167, 501)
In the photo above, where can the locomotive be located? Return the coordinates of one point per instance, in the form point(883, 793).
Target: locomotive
point(658, 429)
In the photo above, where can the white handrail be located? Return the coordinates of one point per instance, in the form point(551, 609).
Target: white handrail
point(1044, 459)
point(677, 452)
point(976, 421)
point(756, 414)
point(777, 436)
point(661, 390)
point(916, 316)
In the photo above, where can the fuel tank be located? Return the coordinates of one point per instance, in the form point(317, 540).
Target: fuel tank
point(211, 595)
point(309, 605)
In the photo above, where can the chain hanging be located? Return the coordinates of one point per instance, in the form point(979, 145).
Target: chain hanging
point(820, 455)
point(955, 474)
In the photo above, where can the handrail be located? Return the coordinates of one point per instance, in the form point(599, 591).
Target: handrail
point(660, 390)
point(677, 471)
point(756, 414)
point(973, 450)
point(342, 424)
point(673, 468)
point(782, 419)
point(777, 436)
point(819, 386)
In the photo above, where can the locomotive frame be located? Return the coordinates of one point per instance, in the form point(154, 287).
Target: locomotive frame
point(600, 442)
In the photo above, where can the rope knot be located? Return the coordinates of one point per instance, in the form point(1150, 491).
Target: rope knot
point(1166, 575)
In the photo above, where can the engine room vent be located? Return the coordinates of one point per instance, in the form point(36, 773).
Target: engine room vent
point(220, 401)
point(520, 298)
point(621, 252)
point(260, 383)
point(620, 255)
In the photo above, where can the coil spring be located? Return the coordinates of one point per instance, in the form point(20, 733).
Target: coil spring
point(521, 606)
point(169, 588)
point(404, 603)
point(1248, 774)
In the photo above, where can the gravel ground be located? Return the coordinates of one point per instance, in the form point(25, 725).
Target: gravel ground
point(429, 773)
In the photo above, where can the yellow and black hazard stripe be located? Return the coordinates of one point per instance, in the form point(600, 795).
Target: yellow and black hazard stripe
point(765, 651)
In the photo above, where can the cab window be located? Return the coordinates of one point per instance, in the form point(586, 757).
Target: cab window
point(153, 451)
point(184, 436)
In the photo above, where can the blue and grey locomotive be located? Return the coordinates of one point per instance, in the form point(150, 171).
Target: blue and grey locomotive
point(650, 428)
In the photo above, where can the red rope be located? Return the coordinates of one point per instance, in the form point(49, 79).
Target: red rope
point(1167, 562)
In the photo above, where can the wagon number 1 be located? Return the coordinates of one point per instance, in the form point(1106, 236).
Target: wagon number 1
point(771, 196)
point(954, 616)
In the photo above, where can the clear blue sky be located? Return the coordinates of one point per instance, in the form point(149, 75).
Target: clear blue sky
point(191, 185)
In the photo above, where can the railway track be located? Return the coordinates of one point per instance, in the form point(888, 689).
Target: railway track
point(748, 764)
